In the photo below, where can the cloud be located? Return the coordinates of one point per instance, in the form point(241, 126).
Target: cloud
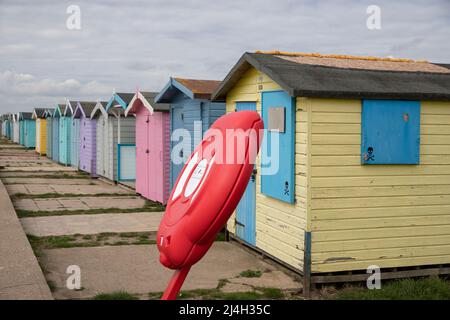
point(129, 44)
point(20, 89)
point(16, 49)
point(13, 83)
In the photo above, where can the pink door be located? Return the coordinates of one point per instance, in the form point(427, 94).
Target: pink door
point(142, 149)
point(152, 158)
point(156, 189)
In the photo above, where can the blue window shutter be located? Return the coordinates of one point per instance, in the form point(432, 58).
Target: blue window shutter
point(390, 132)
point(281, 184)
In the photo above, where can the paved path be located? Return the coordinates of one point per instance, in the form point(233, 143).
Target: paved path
point(136, 269)
point(45, 168)
point(132, 268)
point(38, 174)
point(92, 224)
point(44, 181)
point(24, 162)
point(35, 189)
point(20, 274)
point(81, 203)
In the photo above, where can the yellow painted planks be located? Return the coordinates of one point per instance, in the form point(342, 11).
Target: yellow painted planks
point(279, 226)
point(369, 244)
point(389, 215)
point(377, 233)
point(385, 191)
point(317, 267)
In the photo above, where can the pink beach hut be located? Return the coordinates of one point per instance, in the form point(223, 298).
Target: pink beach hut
point(152, 146)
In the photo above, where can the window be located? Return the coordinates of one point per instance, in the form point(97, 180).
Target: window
point(390, 132)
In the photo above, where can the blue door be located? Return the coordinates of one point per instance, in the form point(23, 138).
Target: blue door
point(55, 138)
point(177, 123)
point(246, 209)
point(62, 141)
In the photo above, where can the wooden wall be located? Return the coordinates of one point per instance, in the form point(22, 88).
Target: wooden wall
point(280, 226)
point(387, 215)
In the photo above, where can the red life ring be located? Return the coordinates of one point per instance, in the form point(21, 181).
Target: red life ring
point(209, 188)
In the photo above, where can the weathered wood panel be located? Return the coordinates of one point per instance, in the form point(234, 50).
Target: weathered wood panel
point(280, 226)
point(388, 215)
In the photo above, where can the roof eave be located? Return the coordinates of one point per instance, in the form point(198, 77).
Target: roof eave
point(98, 108)
point(174, 84)
point(133, 105)
point(118, 99)
point(244, 63)
point(370, 95)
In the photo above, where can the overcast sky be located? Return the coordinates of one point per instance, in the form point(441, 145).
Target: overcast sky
point(124, 45)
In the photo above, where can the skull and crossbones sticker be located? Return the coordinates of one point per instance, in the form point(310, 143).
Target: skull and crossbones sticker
point(369, 156)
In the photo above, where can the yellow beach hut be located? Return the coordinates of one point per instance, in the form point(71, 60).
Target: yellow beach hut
point(41, 130)
point(363, 179)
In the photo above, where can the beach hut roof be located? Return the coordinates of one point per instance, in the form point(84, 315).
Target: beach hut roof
point(147, 99)
point(192, 88)
point(338, 76)
point(84, 108)
point(99, 108)
point(59, 110)
point(71, 105)
point(25, 115)
point(119, 100)
point(49, 112)
point(38, 113)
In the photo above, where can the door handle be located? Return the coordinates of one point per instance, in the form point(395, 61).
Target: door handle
point(147, 151)
point(236, 222)
point(253, 177)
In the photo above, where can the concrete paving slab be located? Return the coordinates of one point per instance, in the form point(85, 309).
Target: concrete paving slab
point(22, 161)
point(45, 168)
point(11, 146)
point(37, 174)
point(16, 188)
point(79, 203)
point(88, 189)
point(20, 274)
point(136, 269)
point(92, 224)
point(19, 158)
point(36, 189)
point(26, 204)
point(43, 181)
point(13, 151)
point(53, 205)
point(117, 202)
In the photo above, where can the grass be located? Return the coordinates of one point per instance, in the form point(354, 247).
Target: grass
point(254, 293)
point(217, 294)
point(406, 289)
point(78, 240)
point(251, 274)
point(222, 283)
point(52, 195)
point(272, 293)
point(221, 236)
point(149, 206)
point(120, 295)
